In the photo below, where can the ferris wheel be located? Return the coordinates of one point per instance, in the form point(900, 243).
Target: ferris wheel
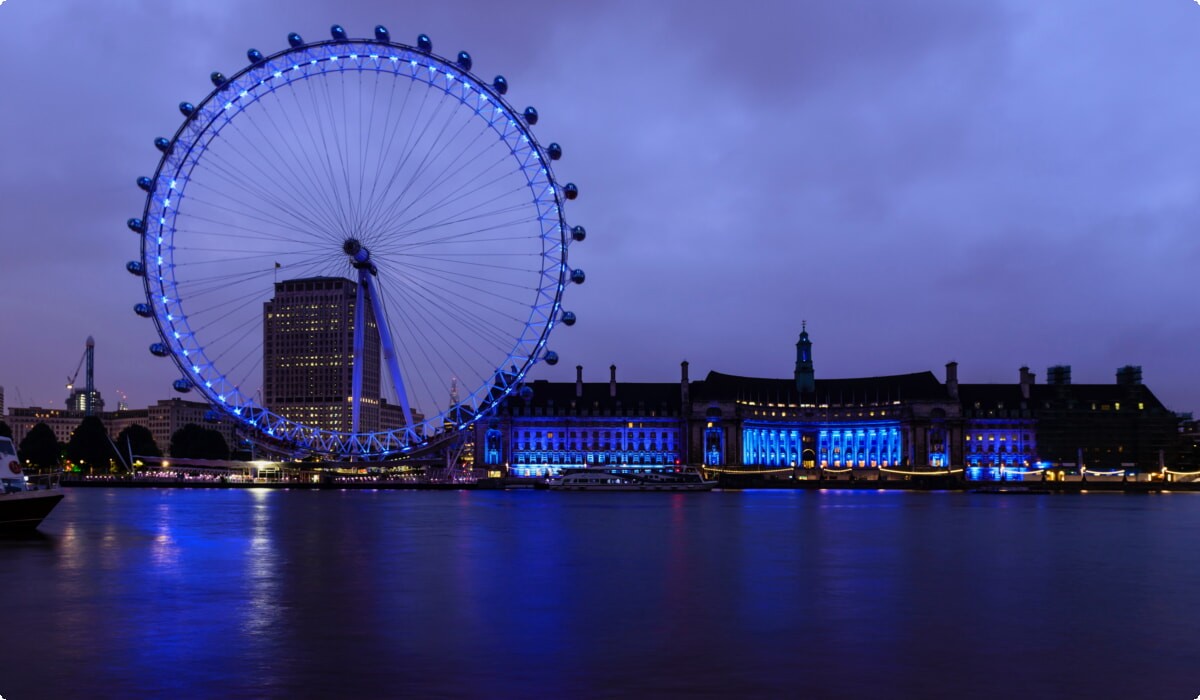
point(355, 247)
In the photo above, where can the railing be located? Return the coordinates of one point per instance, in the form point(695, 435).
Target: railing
point(43, 482)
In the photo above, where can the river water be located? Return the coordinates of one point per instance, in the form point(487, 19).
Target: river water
point(162, 593)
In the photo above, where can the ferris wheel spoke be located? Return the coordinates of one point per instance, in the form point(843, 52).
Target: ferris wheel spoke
point(251, 175)
point(431, 156)
point(457, 193)
point(435, 294)
point(405, 350)
point(416, 298)
point(338, 137)
point(453, 280)
point(205, 235)
point(248, 185)
point(401, 236)
point(254, 217)
point(390, 140)
point(305, 197)
point(364, 149)
point(202, 285)
point(435, 338)
point(405, 227)
point(224, 261)
point(408, 149)
point(422, 295)
point(471, 237)
point(324, 149)
point(311, 164)
point(285, 199)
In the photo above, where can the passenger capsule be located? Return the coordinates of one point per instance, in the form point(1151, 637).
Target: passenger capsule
point(571, 191)
point(145, 183)
point(578, 233)
point(577, 276)
point(295, 41)
point(218, 79)
point(554, 151)
point(136, 225)
point(337, 32)
point(424, 43)
point(135, 268)
point(381, 34)
point(187, 109)
point(527, 392)
point(568, 318)
point(530, 116)
point(464, 60)
point(500, 85)
point(162, 144)
point(143, 309)
point(159, 350)
point(183, 386)
point(255, 56)
point(551, 358)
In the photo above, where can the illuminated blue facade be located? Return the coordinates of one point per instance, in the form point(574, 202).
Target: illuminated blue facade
point(541, 448)
point(871, 445)
point(861, 445)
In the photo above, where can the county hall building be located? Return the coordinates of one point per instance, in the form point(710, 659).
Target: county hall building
point(897, 422)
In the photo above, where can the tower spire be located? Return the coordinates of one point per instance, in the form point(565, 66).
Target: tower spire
point(805, 381)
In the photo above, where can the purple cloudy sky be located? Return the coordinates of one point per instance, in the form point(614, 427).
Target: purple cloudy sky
point(997, 182)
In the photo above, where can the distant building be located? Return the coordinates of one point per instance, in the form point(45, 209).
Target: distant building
point(897, 422)
point(308, 354)
point(168, 416)
point(22, 420)
point(77, 402)
point(161, 419)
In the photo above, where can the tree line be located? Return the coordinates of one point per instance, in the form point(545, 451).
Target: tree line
point(91, 449)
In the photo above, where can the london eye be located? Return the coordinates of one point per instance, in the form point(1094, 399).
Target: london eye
point(355, 247)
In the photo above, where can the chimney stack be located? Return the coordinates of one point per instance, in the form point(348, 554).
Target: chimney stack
point(684, 398)
point(952, 379)
point(578, 381)
point(1026, 383)
point(612, 381)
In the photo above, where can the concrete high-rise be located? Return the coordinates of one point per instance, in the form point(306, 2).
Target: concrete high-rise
point(308, 354)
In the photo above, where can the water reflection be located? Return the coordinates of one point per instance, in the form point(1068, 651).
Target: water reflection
point(257, 593)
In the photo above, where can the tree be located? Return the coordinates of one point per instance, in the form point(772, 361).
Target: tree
point(41, 447)
point(194, 442)
point(5, 429)
point(89, 445)
point(139, 441)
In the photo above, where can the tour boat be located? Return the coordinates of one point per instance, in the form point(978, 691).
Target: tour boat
point(24, 501)
point(687, 479)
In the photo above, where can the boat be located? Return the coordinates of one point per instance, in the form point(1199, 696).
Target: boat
point(680, 479)
point(24, 500)
point(1010, 490)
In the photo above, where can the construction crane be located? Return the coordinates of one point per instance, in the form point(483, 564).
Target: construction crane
point(89, 388)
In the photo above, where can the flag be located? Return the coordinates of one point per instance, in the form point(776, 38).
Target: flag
point(277, 266)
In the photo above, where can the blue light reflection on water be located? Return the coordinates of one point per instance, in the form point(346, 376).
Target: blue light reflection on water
point(161, 593)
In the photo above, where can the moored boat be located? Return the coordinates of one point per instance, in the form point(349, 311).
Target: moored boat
point(24, 501)
point(680, 479)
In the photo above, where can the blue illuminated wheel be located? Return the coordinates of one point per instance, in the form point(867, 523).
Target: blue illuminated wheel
point(354, 247)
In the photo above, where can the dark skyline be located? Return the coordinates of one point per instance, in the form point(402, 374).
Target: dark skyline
point(994, 183)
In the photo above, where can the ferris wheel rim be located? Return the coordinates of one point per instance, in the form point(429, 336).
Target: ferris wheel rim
point(509, 374)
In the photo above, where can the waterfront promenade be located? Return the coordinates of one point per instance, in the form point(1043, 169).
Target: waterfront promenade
point(726, 481)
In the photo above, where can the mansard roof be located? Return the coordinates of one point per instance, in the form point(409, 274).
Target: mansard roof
point(598, 394)
point(896, 387)
point(991, 395)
